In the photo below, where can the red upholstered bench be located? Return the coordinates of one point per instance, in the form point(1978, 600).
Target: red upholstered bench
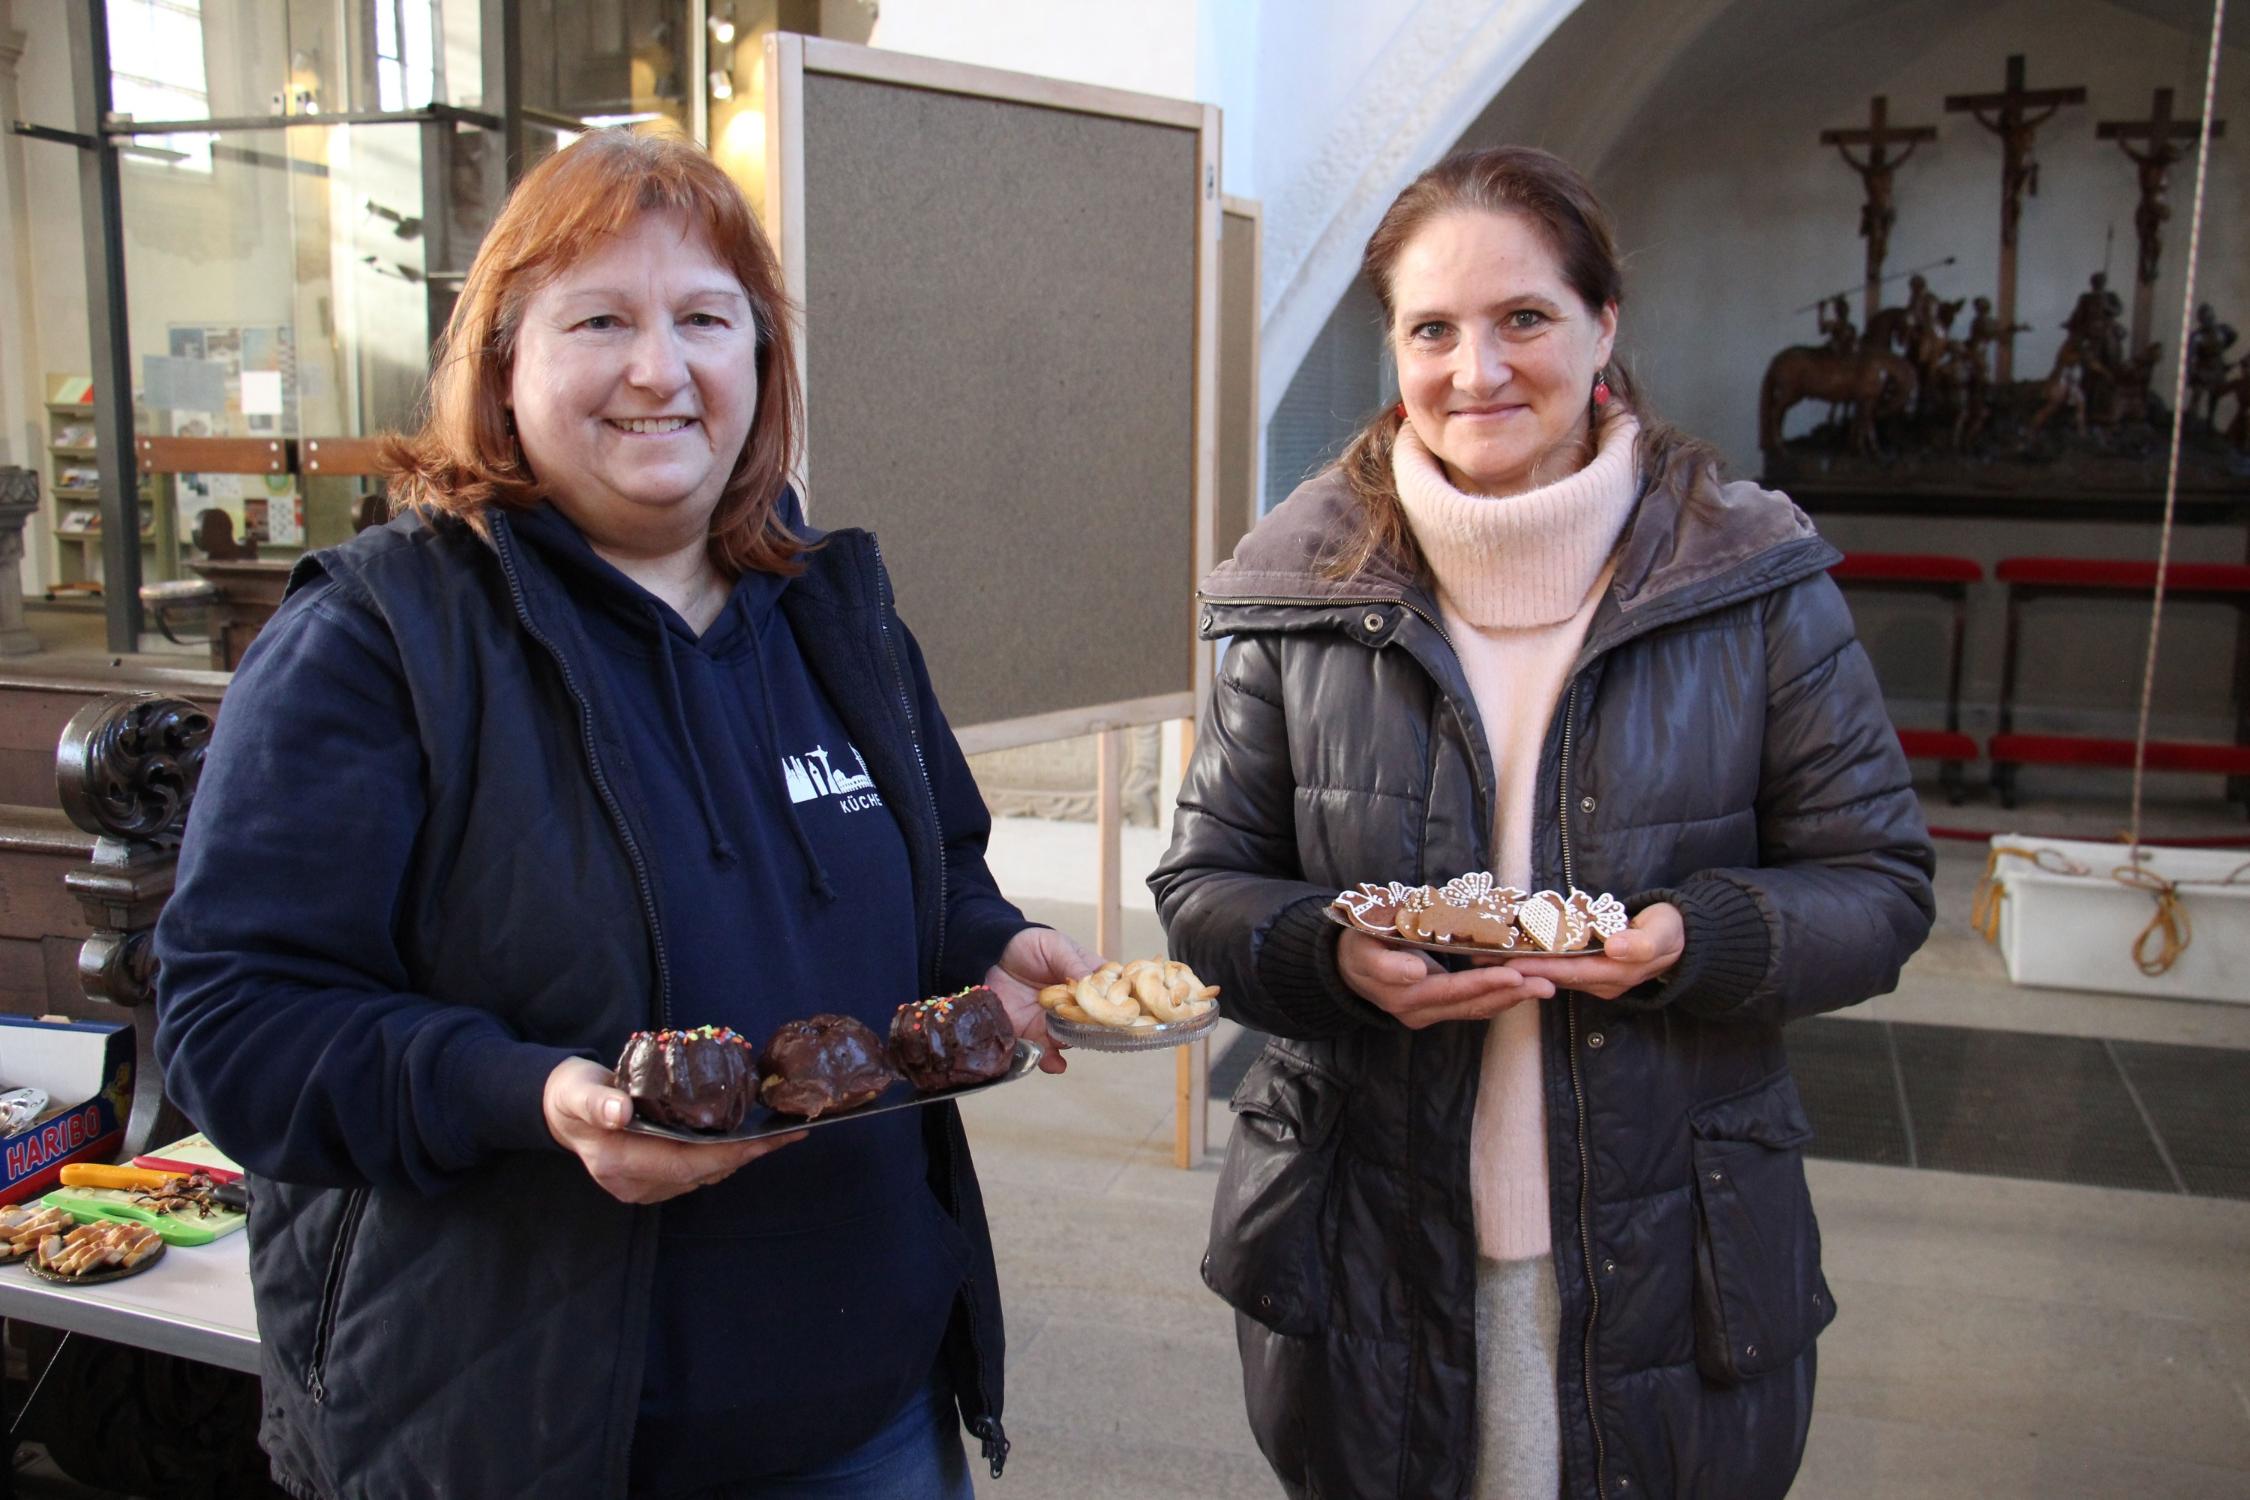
point(2084, 750)
point(1946, 578)
point(1937, 744)
point(1930, 568)
point(2079, 575)
point(2033, 578)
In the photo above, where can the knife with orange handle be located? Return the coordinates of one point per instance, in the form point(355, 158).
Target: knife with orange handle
point(94, 1175)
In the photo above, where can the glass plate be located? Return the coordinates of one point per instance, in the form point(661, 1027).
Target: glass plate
point(1077, 1034)
point(1463, 950)
point(763, 1122)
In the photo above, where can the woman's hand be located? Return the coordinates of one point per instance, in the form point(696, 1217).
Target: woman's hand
point(1035, 958)
point(1649, 947)
point(1411, 985)
point(586, 1113)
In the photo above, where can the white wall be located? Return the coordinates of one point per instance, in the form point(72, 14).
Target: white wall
point(1353, 98)
point(1149, 46)
point(1226, 73)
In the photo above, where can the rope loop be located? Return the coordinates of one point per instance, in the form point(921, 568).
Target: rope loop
point(2169, 928)
point(1984, 912)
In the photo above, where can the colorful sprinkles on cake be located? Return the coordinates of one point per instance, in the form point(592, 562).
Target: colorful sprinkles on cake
point(699, 1034)
point(940, 1006)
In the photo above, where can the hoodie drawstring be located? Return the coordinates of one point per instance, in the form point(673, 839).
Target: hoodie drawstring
point(721, 849)
point(816, 874)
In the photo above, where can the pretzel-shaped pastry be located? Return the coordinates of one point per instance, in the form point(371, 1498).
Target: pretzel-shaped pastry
point(1107, 996)
point(1147, 992)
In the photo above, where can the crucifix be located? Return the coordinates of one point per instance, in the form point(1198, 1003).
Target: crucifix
point(2009, 115)
point(1876, 216)
point(2162, 133)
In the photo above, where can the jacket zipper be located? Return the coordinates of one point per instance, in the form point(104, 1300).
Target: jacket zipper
point(610, 803)
point(1578, 1096)
point(1577, 1085)
point(914, 742)
point(332, 1296)
point(991, 1437)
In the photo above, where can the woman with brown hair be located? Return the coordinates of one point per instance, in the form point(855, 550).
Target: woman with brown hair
point(596, 737)
point(1536, 1226)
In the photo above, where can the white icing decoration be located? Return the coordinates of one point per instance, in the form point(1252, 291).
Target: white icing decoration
point(1557, 923)
point(1368, 897)
point(1541, 921)
point(1605, 913)
point(1467, 890)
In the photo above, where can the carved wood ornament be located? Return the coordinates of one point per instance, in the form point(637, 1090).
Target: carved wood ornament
point(126, 769)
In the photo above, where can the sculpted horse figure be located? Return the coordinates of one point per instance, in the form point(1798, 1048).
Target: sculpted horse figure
point(1872, 382)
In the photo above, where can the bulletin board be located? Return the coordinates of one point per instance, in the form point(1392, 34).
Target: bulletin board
point(1009, 287)
point(230, 380)
point(1241, 246)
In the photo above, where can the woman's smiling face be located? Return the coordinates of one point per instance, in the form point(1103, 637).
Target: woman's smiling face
point(635, 379)
point(1496, 352)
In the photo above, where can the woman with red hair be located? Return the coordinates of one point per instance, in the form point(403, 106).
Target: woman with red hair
point(596, 737)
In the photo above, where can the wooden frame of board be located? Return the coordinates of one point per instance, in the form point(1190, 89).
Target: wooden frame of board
point(789, 60)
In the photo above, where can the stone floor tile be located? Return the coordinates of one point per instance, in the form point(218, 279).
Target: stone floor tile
point(2157, 1254)
point(1180, 1389)
point(1063, 1466)
point(2013, 1367)
point(1130, 1263)
point(1851, 1457)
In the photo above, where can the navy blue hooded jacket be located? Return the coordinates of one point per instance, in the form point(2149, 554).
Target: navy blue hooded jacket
point(420, 872)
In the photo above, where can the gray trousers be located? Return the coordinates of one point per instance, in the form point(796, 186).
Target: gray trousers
point(1519, 1326)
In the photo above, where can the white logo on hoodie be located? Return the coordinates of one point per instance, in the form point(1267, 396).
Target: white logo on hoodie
point(811, 776)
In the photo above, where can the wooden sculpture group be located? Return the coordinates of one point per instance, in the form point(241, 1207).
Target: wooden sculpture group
point(1917, 377)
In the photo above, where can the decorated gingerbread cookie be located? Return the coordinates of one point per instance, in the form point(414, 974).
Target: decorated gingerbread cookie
point(1375, 908)
point(1605, 914)
point(1553, 923)
point(1471, 910)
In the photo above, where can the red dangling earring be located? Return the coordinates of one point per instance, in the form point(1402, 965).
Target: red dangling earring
point(1601, 388)
point(1399, 411)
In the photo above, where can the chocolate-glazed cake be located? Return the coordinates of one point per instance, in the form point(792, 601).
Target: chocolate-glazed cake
point(822, 1066)
point(951, 1040)
point(690, 1080)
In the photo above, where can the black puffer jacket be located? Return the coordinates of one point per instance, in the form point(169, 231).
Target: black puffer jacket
point(1722, 744)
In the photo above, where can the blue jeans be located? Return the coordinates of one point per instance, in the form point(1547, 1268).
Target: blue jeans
point(917, 1456)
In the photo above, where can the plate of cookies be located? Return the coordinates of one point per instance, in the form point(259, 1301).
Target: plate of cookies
point(1474, 913)
point(62, 1249)
point(1141, 1006)
point(711, 1085)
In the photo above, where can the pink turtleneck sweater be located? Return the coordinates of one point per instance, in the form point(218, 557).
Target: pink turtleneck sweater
point(1517, 581)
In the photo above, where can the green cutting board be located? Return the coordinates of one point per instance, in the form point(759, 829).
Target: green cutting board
point(86, 1204)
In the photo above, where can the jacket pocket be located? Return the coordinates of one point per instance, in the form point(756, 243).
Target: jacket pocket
point(332, 1294)
point(1268, 1257)
point(1760, 1298)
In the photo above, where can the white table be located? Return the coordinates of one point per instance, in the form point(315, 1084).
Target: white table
point(194, 1302)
